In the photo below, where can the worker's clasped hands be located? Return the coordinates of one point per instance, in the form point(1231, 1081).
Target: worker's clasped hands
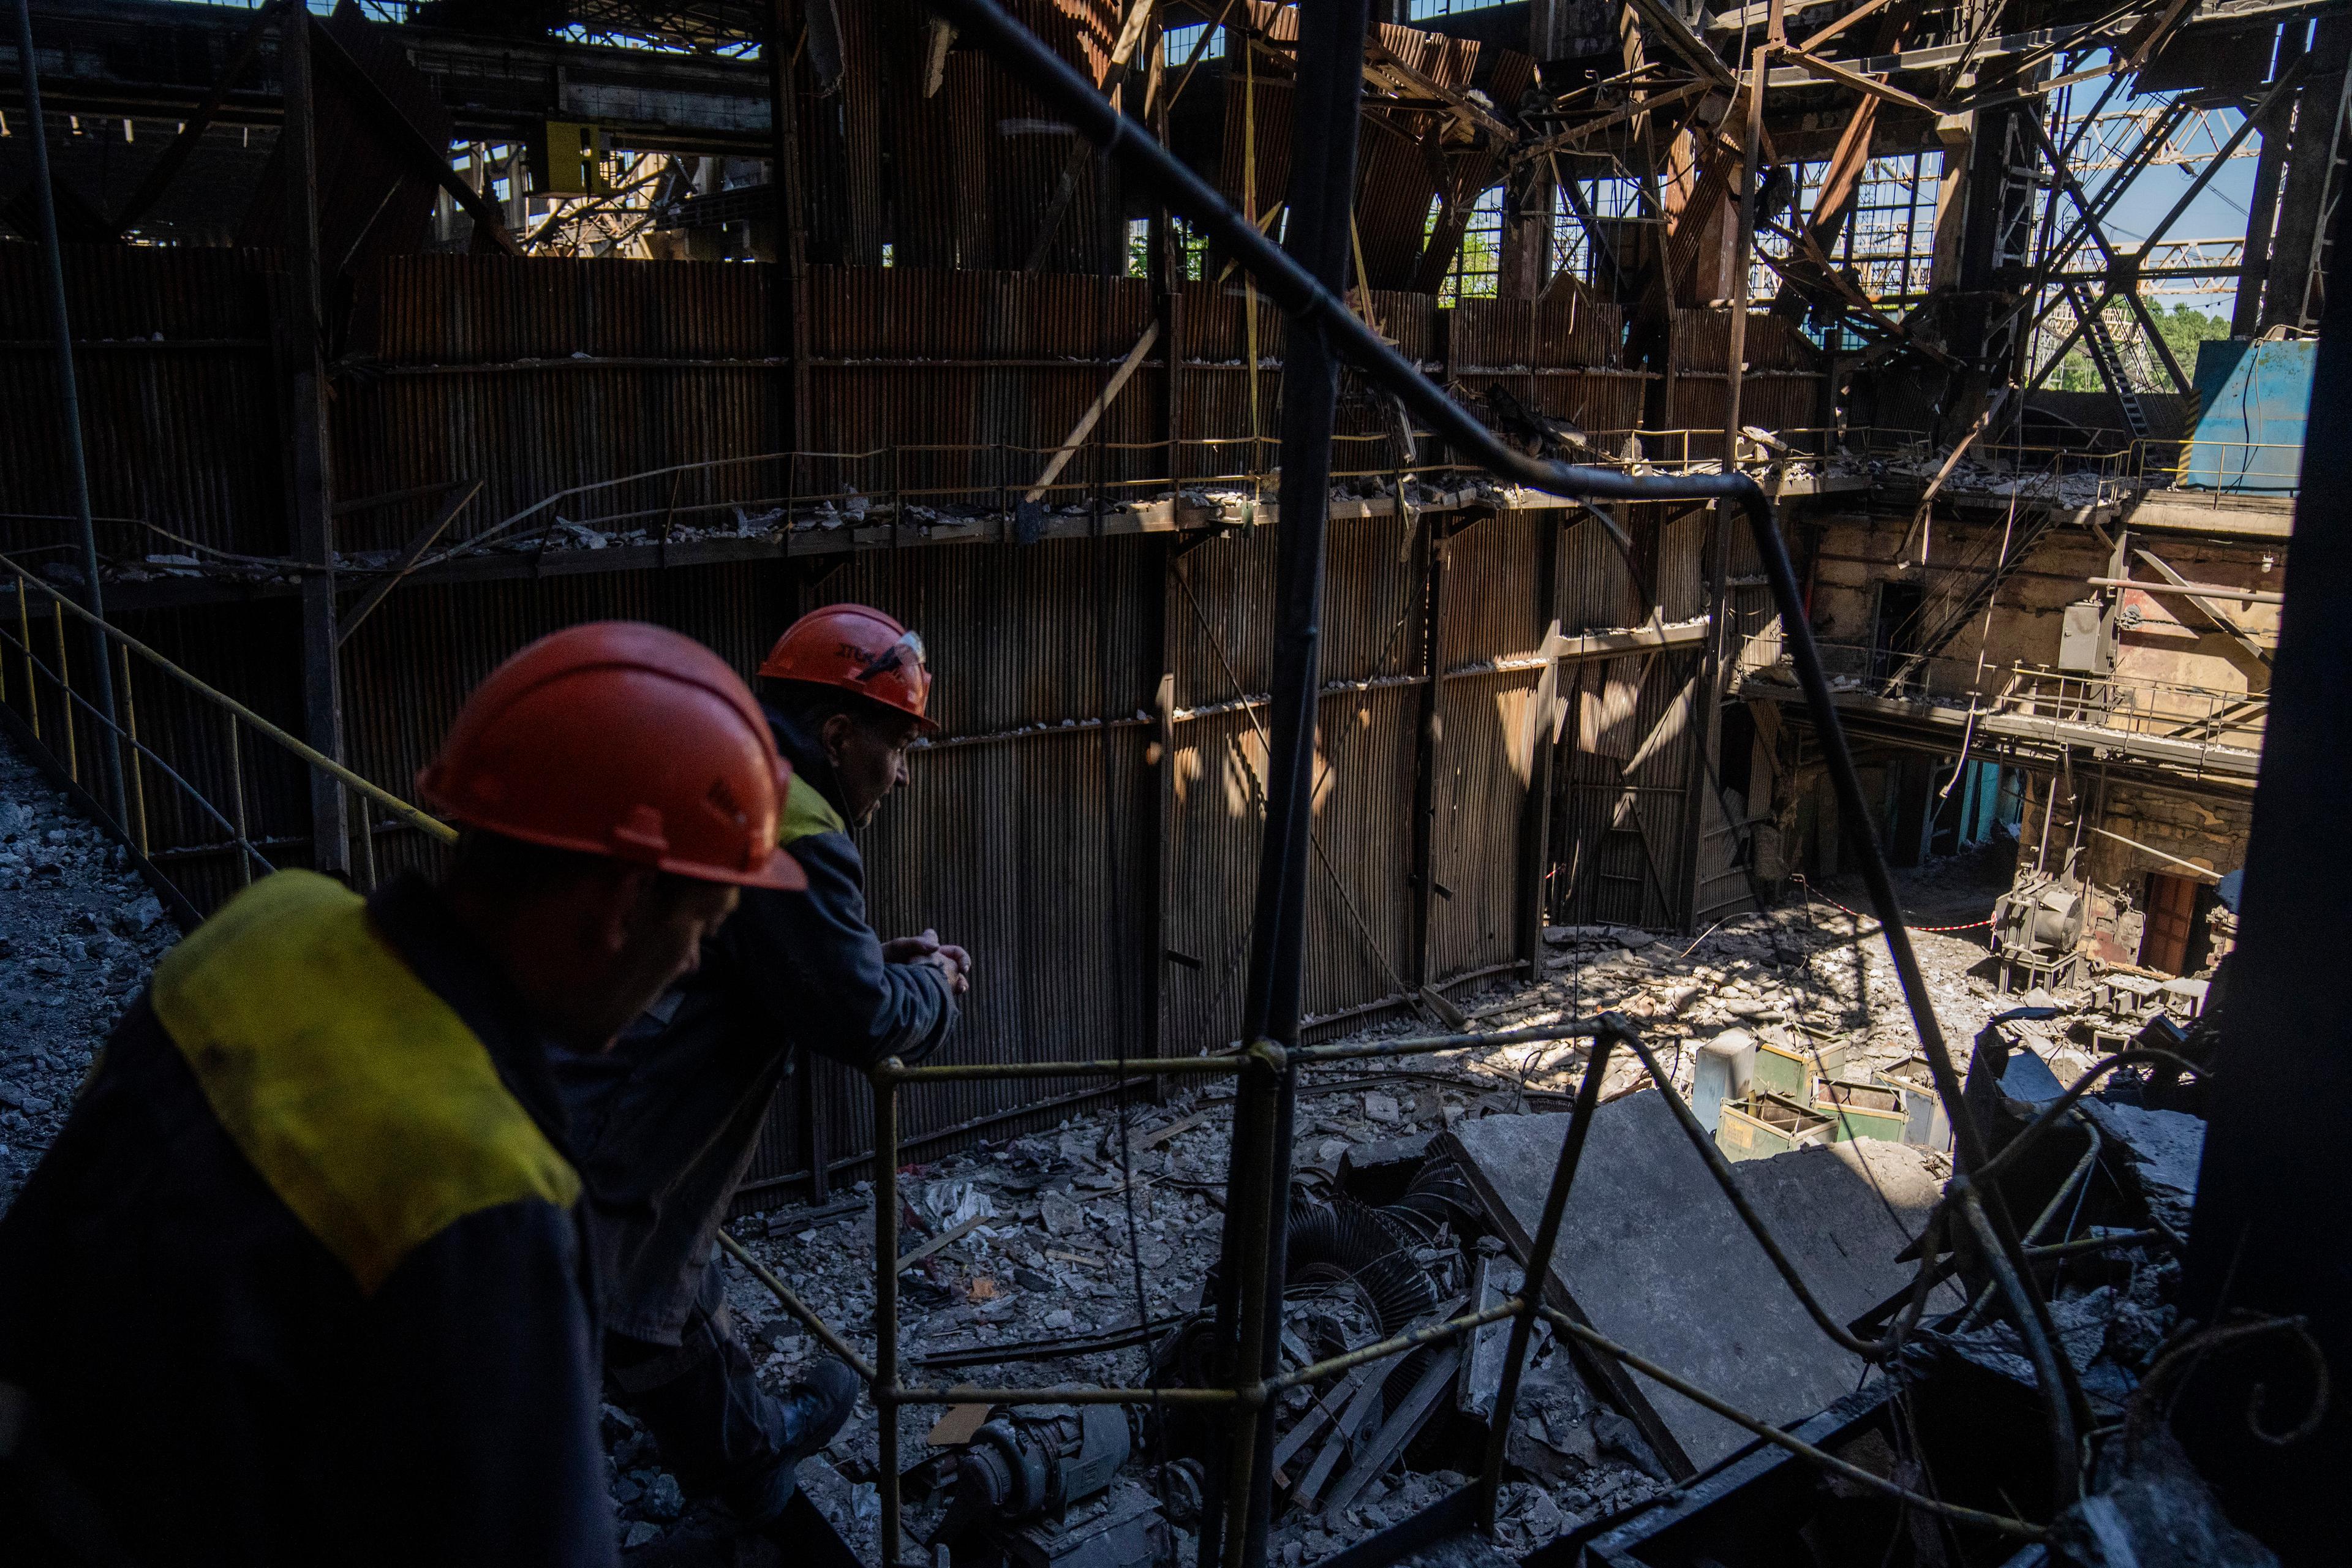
point(949, 960)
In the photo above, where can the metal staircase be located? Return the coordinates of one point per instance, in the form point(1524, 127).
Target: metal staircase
point(2108, 358)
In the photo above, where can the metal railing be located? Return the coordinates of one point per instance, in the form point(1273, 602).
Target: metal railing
point(911, 488)
point(2236, 468)
point(2127, 704)
point(1606, 1032)
point(45, 666)
point(1959, 1208)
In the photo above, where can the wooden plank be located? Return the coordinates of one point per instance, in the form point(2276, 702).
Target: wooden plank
point(944, 1238)
point(1109, 395)
point(1413, 1414)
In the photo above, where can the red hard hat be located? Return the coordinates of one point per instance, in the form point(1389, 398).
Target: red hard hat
point(857, 649)
point(616, 738)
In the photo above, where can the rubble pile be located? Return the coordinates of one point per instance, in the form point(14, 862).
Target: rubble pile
point(1985, 475)
point(1087, 1252)
point(1043, 1290)
point(78, 936)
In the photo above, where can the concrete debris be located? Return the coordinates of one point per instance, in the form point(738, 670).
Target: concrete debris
point(1655, 1256)
point(1042, 1286)
point(2161, 1150)
point(79, 933)
point(2159, 1513)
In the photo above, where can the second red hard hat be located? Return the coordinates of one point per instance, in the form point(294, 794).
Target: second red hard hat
point(621, 739)
point(858, 649)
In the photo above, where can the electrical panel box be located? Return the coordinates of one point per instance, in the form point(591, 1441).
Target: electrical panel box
point(568, 160)
point(2084, 644)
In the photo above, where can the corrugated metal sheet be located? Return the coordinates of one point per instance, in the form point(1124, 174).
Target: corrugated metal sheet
point(1015, 838)
point(179, 397)
point(1562, 356)
point(1782, 389)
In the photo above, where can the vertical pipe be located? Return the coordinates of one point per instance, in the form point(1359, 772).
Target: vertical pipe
point(1427, 736)
point(1249, 212)
point(64, 694)
point(311, 467)
point(1325, 115)
point(886, 1310)
point(138, 783)
point(69, 398)
point(791, 222)
point(25, 632)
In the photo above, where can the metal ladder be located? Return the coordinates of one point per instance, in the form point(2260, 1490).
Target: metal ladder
point(2108, 358)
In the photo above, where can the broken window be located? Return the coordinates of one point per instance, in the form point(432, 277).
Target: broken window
point(1477, 261)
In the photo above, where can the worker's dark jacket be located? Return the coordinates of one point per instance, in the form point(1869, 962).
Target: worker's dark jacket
point(302, 1282)
point(668, 1121)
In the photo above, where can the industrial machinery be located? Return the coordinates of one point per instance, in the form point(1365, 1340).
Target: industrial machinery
point(2036, 926)
point(1038, 1488)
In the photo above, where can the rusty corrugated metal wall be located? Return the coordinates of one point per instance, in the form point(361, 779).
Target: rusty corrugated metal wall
point(1104, 883)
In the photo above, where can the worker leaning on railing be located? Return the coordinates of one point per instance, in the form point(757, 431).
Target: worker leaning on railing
point(668, 1122)
point(304, 1278)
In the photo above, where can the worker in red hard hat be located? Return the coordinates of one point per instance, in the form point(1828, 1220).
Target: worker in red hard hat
point(668, 1122)
point(304, 1278)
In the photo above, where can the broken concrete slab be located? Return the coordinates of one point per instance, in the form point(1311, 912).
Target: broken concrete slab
point(2159, 1152)
point(1652, 1255)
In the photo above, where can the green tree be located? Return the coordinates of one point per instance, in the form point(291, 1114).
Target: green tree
point(2183, 327)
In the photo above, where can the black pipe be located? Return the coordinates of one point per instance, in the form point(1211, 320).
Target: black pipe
point(70, 397)
point(1324, 118)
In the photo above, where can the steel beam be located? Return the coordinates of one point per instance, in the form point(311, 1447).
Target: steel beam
point(2272, 1236)
point(69, 402)
point(1325, 115)
point(311, 463)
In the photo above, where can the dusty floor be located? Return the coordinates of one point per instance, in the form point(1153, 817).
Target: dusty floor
point(1083, 1233)
point(78, 936)
point(1056, 1260)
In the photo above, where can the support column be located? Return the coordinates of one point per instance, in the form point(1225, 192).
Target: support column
point(312, 476)
point(2288, 298)
point(69, 399)
point(1526, 261)
point(1544, 709)
point(1707, 701)
point(1428, 737)
point(1326, 112)
point(791, 211)
point(2271, 1237)
point(2261, 214)
point(1957, 133)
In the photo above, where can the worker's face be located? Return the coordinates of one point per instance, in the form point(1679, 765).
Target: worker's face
point(645, 936)
point(869, 759)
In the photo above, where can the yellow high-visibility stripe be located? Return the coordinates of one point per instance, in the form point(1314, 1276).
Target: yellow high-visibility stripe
point(361, 1096)
point(806, 812)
